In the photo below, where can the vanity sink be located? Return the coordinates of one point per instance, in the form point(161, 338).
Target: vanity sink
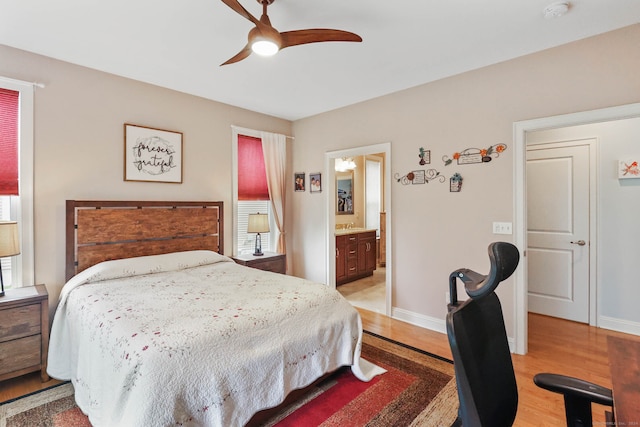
point(352, 230)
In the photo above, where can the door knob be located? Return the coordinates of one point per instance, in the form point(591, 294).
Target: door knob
point(579, 243)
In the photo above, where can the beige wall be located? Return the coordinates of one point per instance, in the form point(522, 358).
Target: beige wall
point(79, 119)
point(435, 231)
point(79, 149)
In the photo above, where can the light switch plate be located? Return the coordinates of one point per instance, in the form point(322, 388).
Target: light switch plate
point(502, 228)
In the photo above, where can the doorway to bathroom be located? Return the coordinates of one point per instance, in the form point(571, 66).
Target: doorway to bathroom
point(358, 204)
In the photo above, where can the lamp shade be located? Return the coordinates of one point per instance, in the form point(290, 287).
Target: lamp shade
point(9, 243)
point(258, 223)
point(345, 164)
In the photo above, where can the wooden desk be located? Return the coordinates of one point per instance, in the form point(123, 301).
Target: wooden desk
point(624, 363)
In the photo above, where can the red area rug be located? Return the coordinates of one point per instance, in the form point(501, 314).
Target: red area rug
point(418, 389)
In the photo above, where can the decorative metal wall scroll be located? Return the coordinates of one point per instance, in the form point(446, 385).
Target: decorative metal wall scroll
point(475, 155)
point(425, 156)
point(420, 177)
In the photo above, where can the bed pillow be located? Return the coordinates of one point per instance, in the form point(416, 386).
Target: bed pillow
point(137, 266)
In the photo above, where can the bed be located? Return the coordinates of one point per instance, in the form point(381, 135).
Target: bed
point(156, 327)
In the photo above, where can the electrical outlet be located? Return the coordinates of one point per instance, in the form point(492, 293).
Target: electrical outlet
point(446, 298)
point(502, 228)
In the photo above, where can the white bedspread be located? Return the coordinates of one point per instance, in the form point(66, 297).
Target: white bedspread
point(194, 339)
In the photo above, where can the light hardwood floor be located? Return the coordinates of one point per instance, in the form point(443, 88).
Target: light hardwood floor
point(555, 345)
point(21, 386)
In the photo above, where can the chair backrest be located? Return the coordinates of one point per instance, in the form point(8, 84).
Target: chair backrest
point(487, 387)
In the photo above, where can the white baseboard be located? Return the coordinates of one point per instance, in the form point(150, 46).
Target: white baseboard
point(619, 325)
point(431, 323)
point(438, 325)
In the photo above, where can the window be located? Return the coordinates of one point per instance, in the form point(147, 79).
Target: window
point(7, 270)
point(16, 193)
point(251, 193)
point(246, 242)
point(373, 187)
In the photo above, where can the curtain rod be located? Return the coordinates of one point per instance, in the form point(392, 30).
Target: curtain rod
point(22, 82)
point(243, 129)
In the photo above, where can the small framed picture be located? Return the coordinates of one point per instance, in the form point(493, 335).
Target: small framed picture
point(628, 168)
point(315, 182)
point(299, 178)
point(152, 155)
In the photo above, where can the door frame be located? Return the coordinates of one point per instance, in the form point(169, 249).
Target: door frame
point(593, 145)
point(520, 130)
point(330, 208)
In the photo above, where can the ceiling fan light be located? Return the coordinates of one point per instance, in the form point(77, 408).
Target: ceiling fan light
point(265, 47)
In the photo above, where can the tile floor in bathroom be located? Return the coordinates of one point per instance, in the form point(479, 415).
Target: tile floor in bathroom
point(367, 293)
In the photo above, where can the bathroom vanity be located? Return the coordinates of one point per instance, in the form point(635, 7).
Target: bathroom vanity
point(355, 254)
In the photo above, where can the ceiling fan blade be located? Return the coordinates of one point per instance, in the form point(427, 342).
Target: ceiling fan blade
point(298, 37)
point(236, 6)
point(243, 54)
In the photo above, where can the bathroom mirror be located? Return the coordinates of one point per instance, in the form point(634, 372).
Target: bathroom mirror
point(344, 191)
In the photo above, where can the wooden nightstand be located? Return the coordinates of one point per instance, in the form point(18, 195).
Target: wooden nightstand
point(24, 332)
point(270, 261)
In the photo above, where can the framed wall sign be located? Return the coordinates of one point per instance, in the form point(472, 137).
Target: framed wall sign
point(153, 155)
point(455, 183)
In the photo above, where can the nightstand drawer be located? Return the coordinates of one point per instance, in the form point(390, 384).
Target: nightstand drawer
point(20, 322)
point(24, 331)
point(276, 265)
point(20, 354)
point(270, 261)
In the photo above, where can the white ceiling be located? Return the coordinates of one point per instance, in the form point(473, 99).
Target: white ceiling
point(179, 44)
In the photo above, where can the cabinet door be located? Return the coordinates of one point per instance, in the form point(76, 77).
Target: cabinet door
point(371, 255)
point(341, 258)
point(366, 252)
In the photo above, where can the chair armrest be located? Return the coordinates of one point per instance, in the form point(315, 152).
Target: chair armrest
point(575, 387)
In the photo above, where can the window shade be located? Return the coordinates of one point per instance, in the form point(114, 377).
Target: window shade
point(9, 102)
point(252, 178)
point(245, 242)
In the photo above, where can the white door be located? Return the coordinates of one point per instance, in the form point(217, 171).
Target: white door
point(558, 215)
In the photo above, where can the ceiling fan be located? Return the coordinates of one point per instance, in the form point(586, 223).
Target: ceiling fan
point(266, 40)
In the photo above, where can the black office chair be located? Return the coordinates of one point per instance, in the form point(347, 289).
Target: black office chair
point(485, 378)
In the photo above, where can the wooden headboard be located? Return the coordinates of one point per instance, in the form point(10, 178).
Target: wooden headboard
point(99, 231)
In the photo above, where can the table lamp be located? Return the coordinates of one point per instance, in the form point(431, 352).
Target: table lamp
point(258, 223)
point(9, 244)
